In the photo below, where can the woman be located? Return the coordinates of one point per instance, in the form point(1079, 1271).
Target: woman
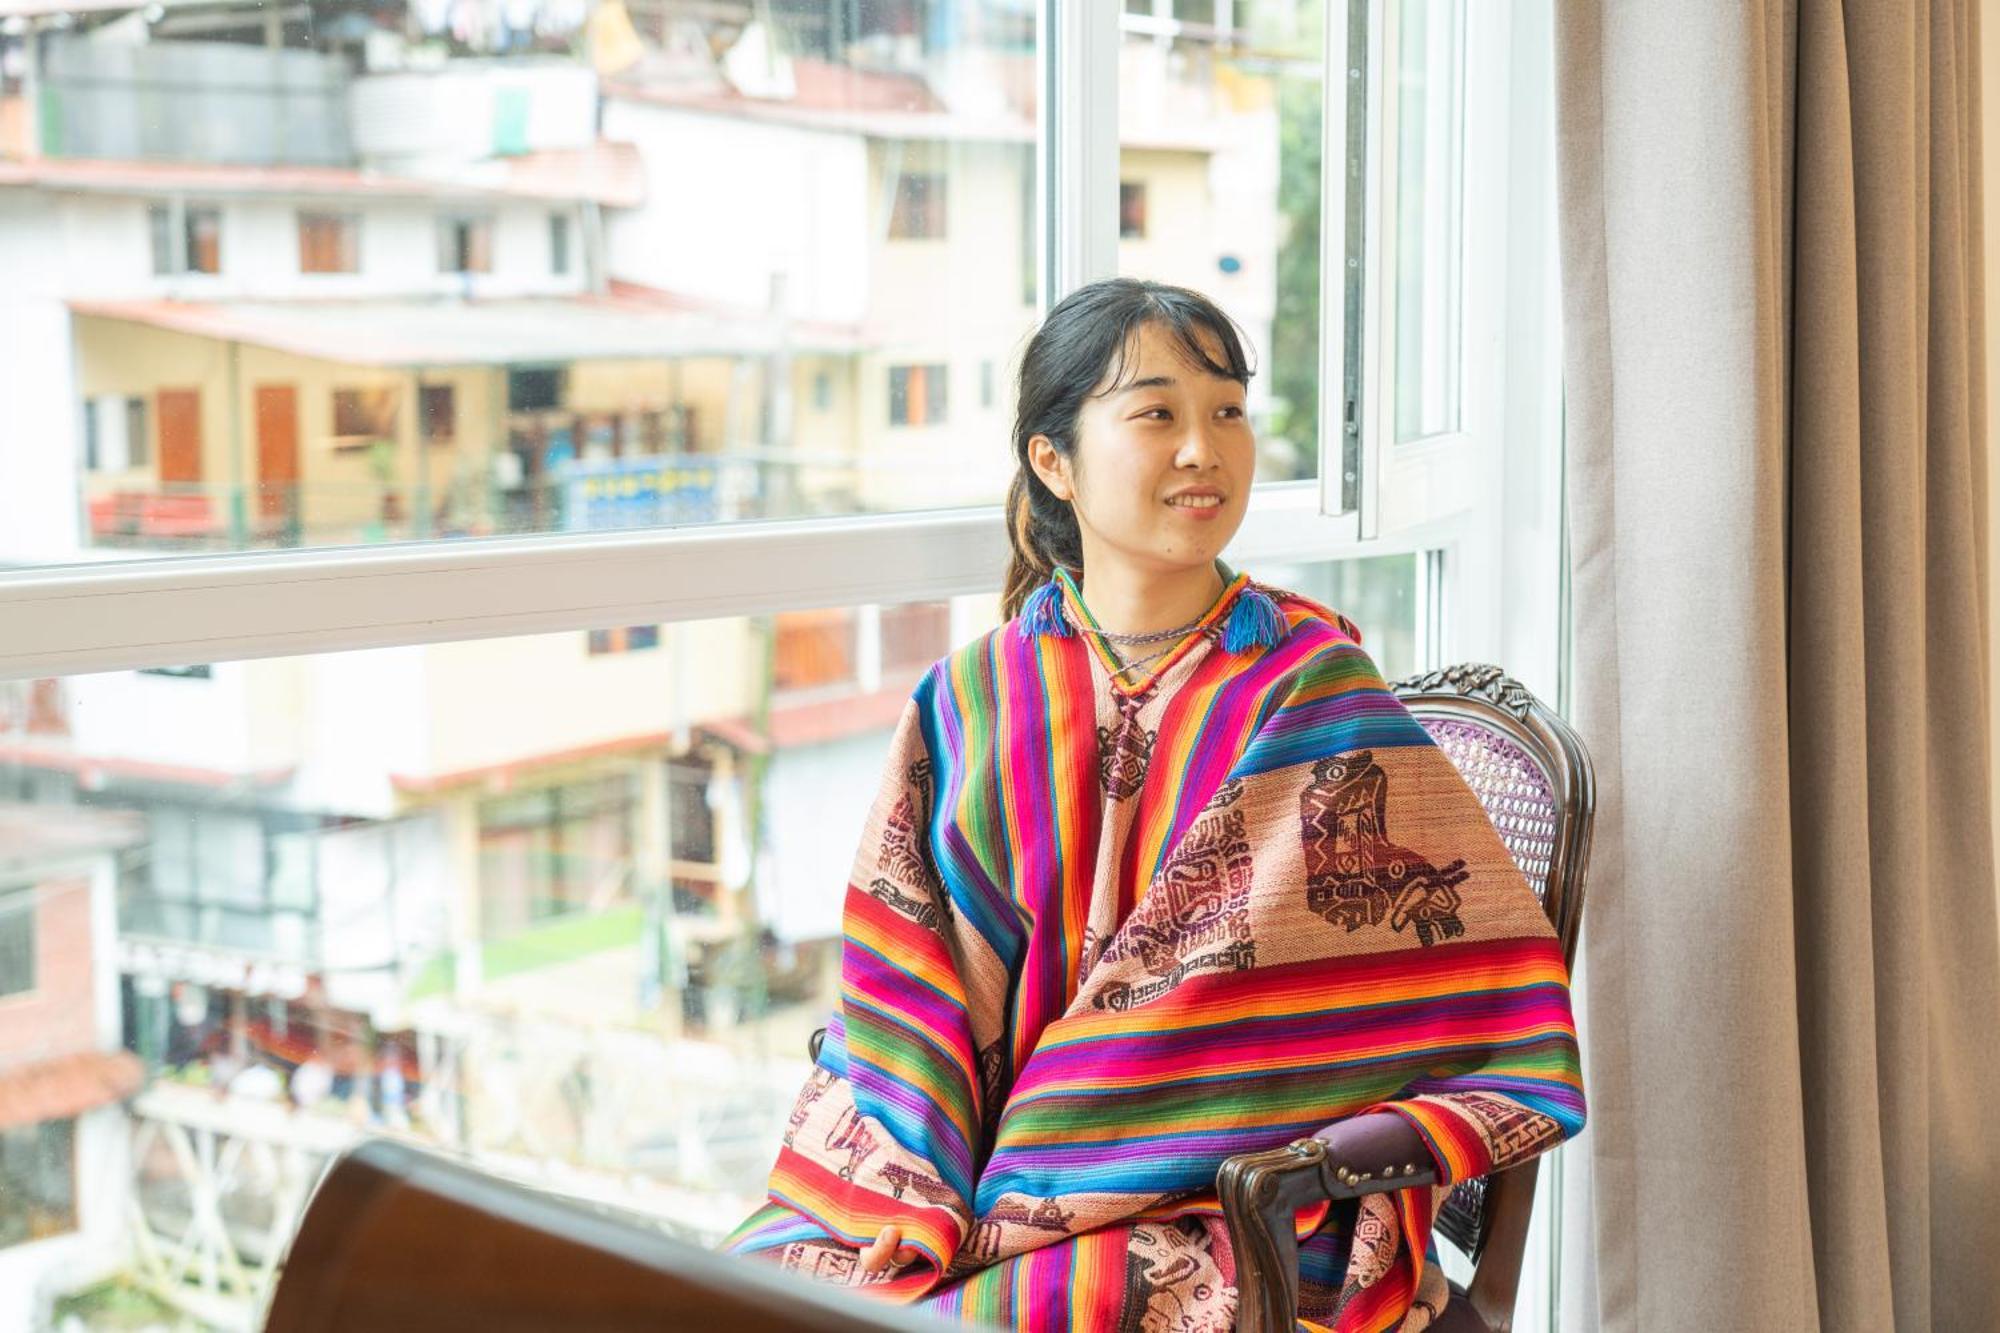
point(1159, 872)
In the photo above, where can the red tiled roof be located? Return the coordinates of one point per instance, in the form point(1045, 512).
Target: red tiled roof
point(825, 86)
point(90, 765)
point(67, 1086)
point(32, 833)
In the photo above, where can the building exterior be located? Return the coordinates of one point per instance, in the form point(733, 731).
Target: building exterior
point(64, 1174)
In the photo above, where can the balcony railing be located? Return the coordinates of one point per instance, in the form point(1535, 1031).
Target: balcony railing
point(638, 491)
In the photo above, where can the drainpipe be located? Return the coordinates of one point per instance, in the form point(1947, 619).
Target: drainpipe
point(411, 427)
point(239, 517)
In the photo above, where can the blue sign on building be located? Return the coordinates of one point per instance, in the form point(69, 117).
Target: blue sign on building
point(652, 491)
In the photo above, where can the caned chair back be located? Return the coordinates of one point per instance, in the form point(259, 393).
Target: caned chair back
point(1530, 772)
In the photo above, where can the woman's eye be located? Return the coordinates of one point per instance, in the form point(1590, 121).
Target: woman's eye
point(1158, 414)
point(1232, 411)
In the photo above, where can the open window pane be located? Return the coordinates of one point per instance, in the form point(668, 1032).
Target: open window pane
point(1219, 189)
point(1429, 222)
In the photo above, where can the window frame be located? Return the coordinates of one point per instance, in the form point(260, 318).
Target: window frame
point(561, 243)
point(478, 259)
point(345, 227)
point(1477, 494)
point(191, 215)
point(71, 619)
point(919, 205)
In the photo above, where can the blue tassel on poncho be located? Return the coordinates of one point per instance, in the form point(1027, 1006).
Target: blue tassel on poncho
point(1254, 622)
point(1042, 613)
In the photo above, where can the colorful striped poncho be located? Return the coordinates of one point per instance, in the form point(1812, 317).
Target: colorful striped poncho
point(1102, 934)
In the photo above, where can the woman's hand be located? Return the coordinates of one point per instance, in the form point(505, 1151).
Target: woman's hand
point(876, 1256)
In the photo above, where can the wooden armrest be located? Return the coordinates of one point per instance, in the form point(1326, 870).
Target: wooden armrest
point(1262, 1193)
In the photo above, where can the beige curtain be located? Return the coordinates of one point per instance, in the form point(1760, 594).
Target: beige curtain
point(1776, 422)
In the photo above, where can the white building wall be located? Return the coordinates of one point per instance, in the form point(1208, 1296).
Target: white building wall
point(184, 722)
point(819, 798)
point(731, 202)
point(32, 1275)
point(363, 716)
point(418, 120)
point(40, 511)
point(99, 247)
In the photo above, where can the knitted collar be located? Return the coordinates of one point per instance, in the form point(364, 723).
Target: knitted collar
point(1250, 618)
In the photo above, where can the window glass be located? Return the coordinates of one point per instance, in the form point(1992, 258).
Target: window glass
point(716, 227)
point(917, 395)
point(204, 240)
point(919, 211)
point(1429, 166)
point(329, 243)
point(1132, 210)
point(160, 230)
point(17, 942)
point(465, 245)
point(437, 409)
point(558, 243)
point(1219, 170)
point(569, 913)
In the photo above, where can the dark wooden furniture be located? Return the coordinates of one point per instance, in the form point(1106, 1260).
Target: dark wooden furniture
point(1530, 772)
point(397, 1239)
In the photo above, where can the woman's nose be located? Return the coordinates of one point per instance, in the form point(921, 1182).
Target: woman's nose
point(1196, 448)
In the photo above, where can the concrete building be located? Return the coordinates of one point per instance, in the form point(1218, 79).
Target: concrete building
point(64, 1173)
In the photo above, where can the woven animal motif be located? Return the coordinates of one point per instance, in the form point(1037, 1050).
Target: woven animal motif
point(1356, 875)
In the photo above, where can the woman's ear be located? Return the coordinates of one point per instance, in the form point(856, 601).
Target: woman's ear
point(1050, 466)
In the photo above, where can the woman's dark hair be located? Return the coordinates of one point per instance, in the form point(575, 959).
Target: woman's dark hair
point(1085, 342)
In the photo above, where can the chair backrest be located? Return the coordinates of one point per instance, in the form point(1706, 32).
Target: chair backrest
point(1530, 772)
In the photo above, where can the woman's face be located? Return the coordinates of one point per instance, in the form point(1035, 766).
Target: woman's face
point(1163, 464)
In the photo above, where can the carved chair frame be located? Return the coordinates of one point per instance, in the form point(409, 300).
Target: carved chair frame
point(1262, 1192)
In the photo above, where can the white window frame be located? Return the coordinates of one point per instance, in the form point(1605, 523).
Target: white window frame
point(1483, 498)
point(130, 614)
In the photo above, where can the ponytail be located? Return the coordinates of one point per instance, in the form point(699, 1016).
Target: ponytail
point(1043, 531)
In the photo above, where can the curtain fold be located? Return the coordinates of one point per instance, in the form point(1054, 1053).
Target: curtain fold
point(1776, 419)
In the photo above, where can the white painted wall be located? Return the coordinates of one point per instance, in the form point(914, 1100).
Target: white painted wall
point(449, 115)
point(819, 800)
point(40, 518)
point(180, 721)
point(99, 247)
point(766, 198)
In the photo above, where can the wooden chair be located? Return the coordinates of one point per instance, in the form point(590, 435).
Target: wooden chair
point(1530, 772)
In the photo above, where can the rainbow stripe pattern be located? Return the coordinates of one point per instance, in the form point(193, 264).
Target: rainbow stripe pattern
point(1103, 933)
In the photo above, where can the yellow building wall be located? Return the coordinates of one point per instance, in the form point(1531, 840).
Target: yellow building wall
point(341, 489)
point(963, 300)
point(1179, 245)
point(546, 694)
